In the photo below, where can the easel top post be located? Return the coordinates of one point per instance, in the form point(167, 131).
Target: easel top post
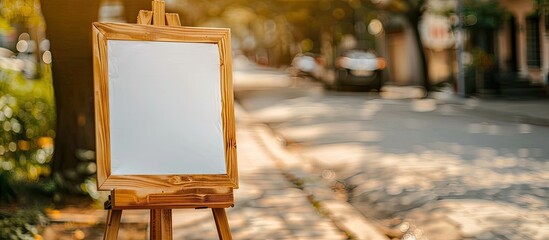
point(158, 15)
point(159, 12)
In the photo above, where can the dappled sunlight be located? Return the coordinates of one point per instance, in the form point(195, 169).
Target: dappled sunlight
point(274, 114)
point(347, 130)
point(434, 173)
point(370, 109)
point(501, 185)
point(524, 128)
point(424, 105)
point(481, 218)
point(307, 109)
point(373, 151)
point(398, 92)
point(284, 112)
point(401, 169)
point(486, 128)
point(260, 80)
point(330, 156)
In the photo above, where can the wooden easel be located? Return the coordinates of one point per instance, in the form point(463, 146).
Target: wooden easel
point(161, 204)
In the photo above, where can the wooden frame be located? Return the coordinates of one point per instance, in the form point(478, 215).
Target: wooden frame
point(141, 187)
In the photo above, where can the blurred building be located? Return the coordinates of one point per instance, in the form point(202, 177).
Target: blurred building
point(501, 52)
point(401, 50)
point(524, 41)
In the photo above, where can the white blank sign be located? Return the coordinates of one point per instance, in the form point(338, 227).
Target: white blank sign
point(165, 108)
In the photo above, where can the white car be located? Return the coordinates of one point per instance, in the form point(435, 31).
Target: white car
point(307, 64)
point(356, 68)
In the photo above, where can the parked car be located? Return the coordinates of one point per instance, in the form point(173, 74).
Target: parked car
point(307, 65)
point(357, 68)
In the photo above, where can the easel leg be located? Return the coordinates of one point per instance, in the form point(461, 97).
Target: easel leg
point(113, 224)
point(161, 224)
point(222, 224)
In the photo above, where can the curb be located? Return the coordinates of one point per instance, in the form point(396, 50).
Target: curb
point(343, 214)
point(482, 109)
point(509, 116)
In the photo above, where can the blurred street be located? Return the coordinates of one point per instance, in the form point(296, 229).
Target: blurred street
point(434, 168)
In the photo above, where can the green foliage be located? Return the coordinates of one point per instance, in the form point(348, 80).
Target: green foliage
point(411, 9)
point(27, 111)
point(24, 224)
point(22, 11)
point(484, 14)
point(542, 6)
point(27, 117)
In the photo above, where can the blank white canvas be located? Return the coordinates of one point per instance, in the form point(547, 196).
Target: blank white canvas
point(165, 108)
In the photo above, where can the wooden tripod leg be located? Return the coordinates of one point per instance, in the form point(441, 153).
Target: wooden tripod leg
point(161, 224)
point(113, 224)
point(222, 224)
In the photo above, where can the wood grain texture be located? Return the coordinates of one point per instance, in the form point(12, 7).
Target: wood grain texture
point(175, 198)
point(138, 32)
point(222, 224)
point(161, 224)
point(101, 96)
point(112, 224)
point(144, 17)
point(172, 19)
point(159, 13)
point(227, 112)
point(102, 32)
point(165, 181)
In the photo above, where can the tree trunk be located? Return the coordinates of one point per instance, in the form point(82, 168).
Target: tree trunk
point(69, 31)
point(422, 58)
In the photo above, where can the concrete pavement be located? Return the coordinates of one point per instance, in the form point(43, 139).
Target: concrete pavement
point(329, 211)
point(416, 179)
point(508, 198)
point(535, 112)
point(529, 110)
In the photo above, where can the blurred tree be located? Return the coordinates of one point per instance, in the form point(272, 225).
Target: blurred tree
point(279, 28)
point(412, 10)
point(488, 14)
point(69, 30)
point(542, 6)
point(27, 117)
point(260, 29)
point(481, 19)
point(24, 16)
point(27, 111)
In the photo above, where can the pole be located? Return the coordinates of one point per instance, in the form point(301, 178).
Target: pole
point(459, 53)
